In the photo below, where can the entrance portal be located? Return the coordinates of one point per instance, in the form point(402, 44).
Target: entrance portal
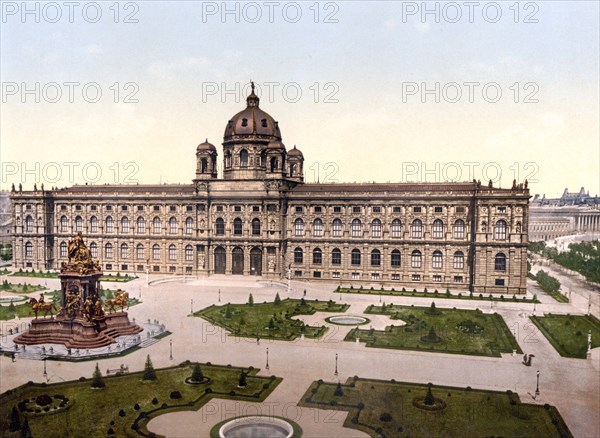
point(238, 261)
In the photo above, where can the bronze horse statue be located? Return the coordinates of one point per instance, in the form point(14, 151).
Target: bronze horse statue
point(121, 300)
point(41, 306)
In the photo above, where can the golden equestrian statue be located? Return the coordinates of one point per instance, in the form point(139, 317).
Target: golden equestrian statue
point(122, 300)
point(37, 306)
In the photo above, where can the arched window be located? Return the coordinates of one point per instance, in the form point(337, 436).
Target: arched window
point(376, 228)
point(124, 225)
point(417, 229)
point(93, 224)
point(355, 257)
point(337, 228)
point(256, 227)
point(299, 227)
point(459, 229)
point(108, 251)
point(78, 224)
point(500, 230)
point(243, 158)
point(336, 257)
point(317, 256)
point(437, 259)
point(124, 251)
point(62, 249)
point(459, 260)
point(172, 252)
point(318, 228)
point(29, 224)
point(396, 228)
point(189, 253)
point(219, 227)
point(94, 250)
point(189, 225)
point(375, 257)
point(203, 165)
point(139, 252)
point(141, 225)
point(500, 262)
point(298, 255)
point(237, 226)
point(356, 228)
point(109, 224)
point(274, 164)
point(64, 224)
point(29, 249)
point(172, 225)
point(156, 225)
point(437, 230)
point(156, 252)
point(395, 262)
point(227, 159)
point(415, 259)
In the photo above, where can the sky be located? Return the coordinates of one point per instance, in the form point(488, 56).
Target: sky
point(123, 92)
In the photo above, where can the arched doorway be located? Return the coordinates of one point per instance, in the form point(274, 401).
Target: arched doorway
point(220, 260)
point(256, 261)
point(238, 261)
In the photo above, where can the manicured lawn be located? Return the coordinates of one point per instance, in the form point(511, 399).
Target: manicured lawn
point(439, 294)
point(92, 412)
point(468, 413)
point(568, 334)
point(557, 296)
point(461, 331)
point(270, 320)
point(19, 288)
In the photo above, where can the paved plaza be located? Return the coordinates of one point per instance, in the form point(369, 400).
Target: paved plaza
point(572, 385)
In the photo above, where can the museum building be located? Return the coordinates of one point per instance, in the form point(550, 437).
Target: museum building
point(260, 218)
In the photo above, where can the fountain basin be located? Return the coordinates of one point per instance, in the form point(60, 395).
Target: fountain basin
point(256, 426)
point(348, 320)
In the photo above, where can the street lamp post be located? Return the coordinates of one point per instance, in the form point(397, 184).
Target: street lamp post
point(171, 349)
point(336, 361)
point(267, 365)
point(219, 295)
point(537, 385)
point(45, 372)
point(192, 306)
point(147, 272)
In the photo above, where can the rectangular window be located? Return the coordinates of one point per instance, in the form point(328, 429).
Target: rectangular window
point(337, 209)
point(501, 209)
point(416, 277)
point(397, 210)
point(189, 208)
point(460, 209)
point(499, 282)
point(256, 208)
point(172, 208)
point(201, 207)
point(124, 267)
point(395, 276)
point(356, 276)
point(63, 207)
point(140, 208)
point(77, 207)
point(318, 209)
point(123, 208)
point(219, 208)
point(335, 275)
point(458, 279)
point(376, 209)
point(109, 208)
point(317, 274)
point(374, 276)
point(271, 207)
point(437, 210)
point(297, 273)
point(172, 269)
point(437, 278)
point(356, 210)
point(416, 209)
point(140, 268)
point(156, 208)
point(93, 208)
point(299, 210)
point(155, 268)
point(108, 267)
point(237, 208)
point(188, 269)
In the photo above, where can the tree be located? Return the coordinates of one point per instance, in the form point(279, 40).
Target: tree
point(5, 285)
point(149, 373)
point(271, 324)
point(429, 400)
point(250, 300)
point(242, 382)
point(197, 375)
point(15, 421)
point(228, 312)
point(97, 381)
point(338, 390)
point(277, 299)
point(11, 306)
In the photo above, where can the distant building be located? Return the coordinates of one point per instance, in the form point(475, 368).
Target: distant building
point(260, 218)
point(6, 219)
point(572, 213)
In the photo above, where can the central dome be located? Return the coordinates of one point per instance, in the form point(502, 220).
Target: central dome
point(252, 121)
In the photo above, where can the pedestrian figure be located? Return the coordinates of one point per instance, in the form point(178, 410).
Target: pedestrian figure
point(258, 340)
point(304, 292)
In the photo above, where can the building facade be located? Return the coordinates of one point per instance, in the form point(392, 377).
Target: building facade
point(552, 221)
point(261, 219)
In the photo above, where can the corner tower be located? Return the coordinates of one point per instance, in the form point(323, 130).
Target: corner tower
point(245, 142)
